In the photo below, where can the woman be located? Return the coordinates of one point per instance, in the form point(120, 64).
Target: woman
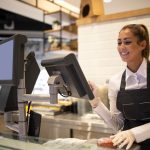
point(129, 91)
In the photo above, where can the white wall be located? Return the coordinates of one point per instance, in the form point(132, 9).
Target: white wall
point(98, 54)
point(125, 5)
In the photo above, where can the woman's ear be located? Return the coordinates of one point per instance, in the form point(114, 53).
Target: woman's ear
point(143, 44)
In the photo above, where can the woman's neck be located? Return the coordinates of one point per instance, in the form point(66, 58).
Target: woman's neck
point(134, 65)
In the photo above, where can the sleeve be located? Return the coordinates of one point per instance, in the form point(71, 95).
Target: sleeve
point(143, 130)
point(112, 117)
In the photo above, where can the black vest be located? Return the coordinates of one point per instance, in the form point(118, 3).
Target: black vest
point(135, 105)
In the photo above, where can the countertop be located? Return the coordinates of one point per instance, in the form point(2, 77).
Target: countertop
point(58, 144)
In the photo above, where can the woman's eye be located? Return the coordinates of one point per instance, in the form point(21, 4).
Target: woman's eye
point(127, 42)
point(119, 43)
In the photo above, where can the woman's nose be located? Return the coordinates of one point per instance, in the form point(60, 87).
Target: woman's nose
point(122, 45)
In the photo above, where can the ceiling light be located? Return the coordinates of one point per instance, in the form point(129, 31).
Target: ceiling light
point(107, 1)
point(67, 6)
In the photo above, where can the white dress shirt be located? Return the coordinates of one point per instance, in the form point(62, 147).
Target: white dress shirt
point(114, 117)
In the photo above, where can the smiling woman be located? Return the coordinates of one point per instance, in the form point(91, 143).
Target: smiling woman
point(129, 91)
point(132, 45)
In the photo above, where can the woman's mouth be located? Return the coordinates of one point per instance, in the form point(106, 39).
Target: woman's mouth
point(124, 54)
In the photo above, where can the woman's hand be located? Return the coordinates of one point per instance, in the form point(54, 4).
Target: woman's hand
point(123, 138)
point(95, 102)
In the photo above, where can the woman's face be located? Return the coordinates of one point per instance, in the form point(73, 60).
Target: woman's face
point(129, 48)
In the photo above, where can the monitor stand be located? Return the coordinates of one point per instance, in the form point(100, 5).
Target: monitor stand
point(55, 83)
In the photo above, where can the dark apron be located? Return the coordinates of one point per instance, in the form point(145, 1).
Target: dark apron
point(135, 106)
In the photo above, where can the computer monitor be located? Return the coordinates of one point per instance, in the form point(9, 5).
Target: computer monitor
point(32, 71)
point(9, 95)
point(11, 71)
point(75, 83)
point(12, 60)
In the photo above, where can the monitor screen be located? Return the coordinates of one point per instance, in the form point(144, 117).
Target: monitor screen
point(75, 83)
point(6, 51)
point(12, 60)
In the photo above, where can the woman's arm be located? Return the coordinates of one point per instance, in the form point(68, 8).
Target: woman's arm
point(113, 119)
point(143, 130)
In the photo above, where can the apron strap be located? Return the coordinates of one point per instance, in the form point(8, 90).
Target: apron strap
point(123, 81)
point(148, 74)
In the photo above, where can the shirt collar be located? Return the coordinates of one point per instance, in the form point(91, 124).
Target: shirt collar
point(141, 71)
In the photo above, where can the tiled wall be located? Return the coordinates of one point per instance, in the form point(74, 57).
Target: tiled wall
point(98, 54)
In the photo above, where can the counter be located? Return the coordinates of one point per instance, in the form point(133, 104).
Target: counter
point(69, 125)
point(13, 143)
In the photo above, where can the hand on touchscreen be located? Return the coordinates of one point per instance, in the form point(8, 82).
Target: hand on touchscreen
point(95, 102)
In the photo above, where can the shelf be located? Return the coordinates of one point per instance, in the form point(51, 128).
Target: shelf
point(72, 16)
point(55, 45)
point(64, 32)
point(60, 33)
